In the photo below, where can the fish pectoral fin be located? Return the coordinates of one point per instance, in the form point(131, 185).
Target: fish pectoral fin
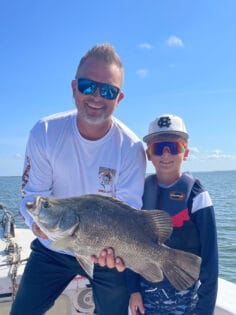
point(86, 264)
point(159, 222)
point(62, 244)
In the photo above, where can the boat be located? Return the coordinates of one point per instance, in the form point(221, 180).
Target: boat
point(14, 252)
point(77, 297)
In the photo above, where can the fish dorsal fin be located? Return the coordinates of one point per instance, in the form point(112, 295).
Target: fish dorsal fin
point(159, 223)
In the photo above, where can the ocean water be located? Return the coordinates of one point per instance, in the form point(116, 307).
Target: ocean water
point(222, 188)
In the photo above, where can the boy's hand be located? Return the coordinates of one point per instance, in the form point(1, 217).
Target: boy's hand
point(136, 304)
point(107, 258)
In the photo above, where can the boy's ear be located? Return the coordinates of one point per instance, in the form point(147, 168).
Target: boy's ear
point(186, 153)
point(148, 154)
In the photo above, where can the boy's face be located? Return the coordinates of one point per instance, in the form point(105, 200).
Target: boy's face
point(167, 154)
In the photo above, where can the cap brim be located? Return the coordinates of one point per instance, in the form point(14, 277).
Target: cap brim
point(153, 136)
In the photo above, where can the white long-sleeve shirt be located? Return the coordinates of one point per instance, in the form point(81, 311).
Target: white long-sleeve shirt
point(60, 163)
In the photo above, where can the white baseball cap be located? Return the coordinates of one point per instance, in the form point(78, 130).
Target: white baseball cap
point(166, 124)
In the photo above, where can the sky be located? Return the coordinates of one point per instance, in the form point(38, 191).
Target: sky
point(179, 58)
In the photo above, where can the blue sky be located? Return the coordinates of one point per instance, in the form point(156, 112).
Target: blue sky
point(179, 57)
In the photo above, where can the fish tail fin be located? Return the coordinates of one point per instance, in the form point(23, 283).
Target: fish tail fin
point(180, 268)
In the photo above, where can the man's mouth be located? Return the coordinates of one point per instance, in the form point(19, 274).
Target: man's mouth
point(95, 107)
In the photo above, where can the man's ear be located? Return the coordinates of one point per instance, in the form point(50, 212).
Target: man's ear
point(120, 97)
point(186, 153)
point(73, 85)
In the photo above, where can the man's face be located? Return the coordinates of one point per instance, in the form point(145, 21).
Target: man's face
point(93, 108)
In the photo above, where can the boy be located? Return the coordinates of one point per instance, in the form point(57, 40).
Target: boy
point(194, 228)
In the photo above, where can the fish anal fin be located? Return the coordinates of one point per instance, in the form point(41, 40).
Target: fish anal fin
point(152, 272)
point(181, 268)
point(159, 222)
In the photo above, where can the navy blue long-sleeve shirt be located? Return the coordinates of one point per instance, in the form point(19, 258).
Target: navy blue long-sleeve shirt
point(194, 230)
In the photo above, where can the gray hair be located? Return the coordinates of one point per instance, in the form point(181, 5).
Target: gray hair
point(104, 52)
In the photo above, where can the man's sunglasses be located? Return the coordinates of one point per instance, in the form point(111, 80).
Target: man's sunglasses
point(173, 147)
point(89, 87)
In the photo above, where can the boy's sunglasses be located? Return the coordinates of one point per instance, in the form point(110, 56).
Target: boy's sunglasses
point(173, 147)
point(89, 87)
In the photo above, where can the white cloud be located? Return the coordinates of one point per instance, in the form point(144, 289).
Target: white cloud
point(18, 156)
point(142, 73)
point(195, 154)
point(174, 41)
point(192, 157)
point(146, 46)
point(208, 161)
point(194, 150)
point(217, 154)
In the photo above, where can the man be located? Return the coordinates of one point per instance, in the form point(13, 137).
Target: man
point(75, 153)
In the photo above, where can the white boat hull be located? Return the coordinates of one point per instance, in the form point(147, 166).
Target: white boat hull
point(77, 297)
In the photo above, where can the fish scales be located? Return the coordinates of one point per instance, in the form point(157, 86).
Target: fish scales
point(87, 224)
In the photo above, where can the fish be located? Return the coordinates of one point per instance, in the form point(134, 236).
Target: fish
point(87, 224)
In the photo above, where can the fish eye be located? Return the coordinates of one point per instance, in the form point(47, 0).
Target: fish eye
point(46, 204)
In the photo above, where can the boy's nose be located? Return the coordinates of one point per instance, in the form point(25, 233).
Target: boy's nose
point(166, 149)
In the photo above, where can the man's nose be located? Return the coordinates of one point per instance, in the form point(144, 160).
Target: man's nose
point(97, 92)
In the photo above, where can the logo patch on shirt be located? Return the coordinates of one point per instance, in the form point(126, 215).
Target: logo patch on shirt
point(177, 195)
point(106, 178)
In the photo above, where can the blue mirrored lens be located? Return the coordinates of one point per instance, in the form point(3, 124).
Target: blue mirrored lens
point(88, 87)
point(108, 91)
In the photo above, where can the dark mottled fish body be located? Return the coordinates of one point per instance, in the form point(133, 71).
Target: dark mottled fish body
point(87, 224)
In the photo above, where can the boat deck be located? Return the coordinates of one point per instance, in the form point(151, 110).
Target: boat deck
point(77, 297)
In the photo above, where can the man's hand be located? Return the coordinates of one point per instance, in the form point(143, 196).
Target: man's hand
point(36, 230)
point(107, 258)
